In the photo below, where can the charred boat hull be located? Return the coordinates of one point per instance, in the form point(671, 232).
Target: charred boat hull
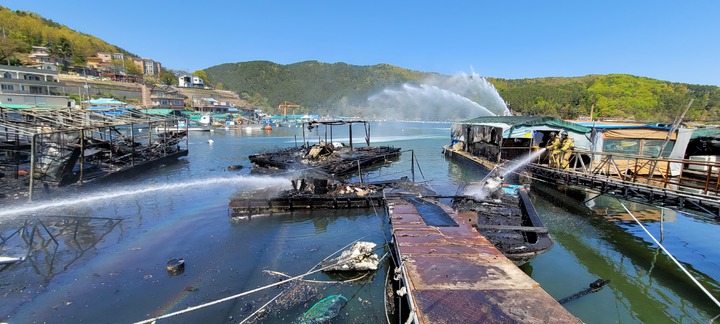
point(511, 223)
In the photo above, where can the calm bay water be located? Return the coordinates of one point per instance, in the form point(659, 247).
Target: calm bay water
point(108, 264)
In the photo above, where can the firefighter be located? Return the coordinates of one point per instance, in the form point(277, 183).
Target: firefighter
point(566, 145)
point(553, 144)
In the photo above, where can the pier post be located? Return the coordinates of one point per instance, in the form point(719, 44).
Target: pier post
point(33, 148)
point(350, 130)
point(412, 164)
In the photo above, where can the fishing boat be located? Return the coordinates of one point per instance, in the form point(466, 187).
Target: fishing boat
point(492, 140)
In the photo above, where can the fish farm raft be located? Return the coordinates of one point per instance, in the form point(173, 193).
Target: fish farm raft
point(50, 148)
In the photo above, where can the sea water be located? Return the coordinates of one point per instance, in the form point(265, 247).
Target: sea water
point(104, 260)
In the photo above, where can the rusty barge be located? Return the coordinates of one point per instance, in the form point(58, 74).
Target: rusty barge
point(447, 272)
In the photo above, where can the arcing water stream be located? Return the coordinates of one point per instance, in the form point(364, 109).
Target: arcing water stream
point(246, 182)
point(440, 98)
point(517, 164)
point(490, 182)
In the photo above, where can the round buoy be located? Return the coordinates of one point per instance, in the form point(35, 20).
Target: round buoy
point(268, 127)
point(175, 266)
point(235, 167)
point(210, 141)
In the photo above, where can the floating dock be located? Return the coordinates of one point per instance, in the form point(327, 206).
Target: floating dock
point(450, 273)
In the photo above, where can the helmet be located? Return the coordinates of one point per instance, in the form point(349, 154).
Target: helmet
point(563, 134)
point(552, 134)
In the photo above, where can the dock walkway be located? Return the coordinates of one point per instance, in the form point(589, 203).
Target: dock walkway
point(452, 274)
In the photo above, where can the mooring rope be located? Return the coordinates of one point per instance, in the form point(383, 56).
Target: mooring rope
point(717, 303)
point(260, 309)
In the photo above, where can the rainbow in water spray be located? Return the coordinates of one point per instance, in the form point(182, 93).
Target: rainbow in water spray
point(249, 182)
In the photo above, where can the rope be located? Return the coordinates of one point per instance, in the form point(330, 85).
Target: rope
point(717, 303)
point(261, 308)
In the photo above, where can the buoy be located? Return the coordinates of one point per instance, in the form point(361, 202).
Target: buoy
point(268, 127)
point(175, 266)
point(22, 172)
point(210, 141)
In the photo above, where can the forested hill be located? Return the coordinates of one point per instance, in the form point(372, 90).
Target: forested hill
point(614, 96)
point(22, 30)
point(344, 89)
point(318, 87)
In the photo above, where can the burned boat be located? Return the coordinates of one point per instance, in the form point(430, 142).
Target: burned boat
point(505, 215)
point(333, 158)
point(491, 140)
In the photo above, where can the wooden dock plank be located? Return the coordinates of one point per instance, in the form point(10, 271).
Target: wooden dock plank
point(455, 275)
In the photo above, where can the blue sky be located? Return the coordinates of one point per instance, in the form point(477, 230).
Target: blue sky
point(668, 40)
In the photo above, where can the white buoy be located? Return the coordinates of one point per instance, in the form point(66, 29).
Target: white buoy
point(210, 141)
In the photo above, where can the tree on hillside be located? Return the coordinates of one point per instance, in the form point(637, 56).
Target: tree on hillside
point(131, 68)
point(256, 100)
point(202, 75)
point(8, 48)
point(168, 76)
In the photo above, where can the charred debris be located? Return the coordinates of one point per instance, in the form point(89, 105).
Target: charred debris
point(332, 158)
point(45, 148)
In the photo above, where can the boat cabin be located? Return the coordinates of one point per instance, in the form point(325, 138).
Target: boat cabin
point(500, 138)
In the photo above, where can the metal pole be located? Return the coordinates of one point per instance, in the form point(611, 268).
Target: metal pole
point(412, 164)
point(82, 154)
point(303, 133)
point(350, 127)
point(32, 166)
point(132, 143)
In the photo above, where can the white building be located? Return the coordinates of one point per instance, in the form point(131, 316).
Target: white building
point(190, 81)
point(32, 87)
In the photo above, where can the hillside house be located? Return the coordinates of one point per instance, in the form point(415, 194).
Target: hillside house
point(190, 81)
point(163, 97)
point(148, 66)
point(41, 54)
point(32, 87)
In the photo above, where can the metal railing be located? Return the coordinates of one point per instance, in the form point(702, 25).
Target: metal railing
point(688, 176)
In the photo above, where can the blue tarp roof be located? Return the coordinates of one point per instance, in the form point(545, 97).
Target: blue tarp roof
point(104, 101)
point(606, 125)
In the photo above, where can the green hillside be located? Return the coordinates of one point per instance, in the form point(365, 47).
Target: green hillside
point(344, 89)
point(614, 96)
point(21, 30)
point(318, 87)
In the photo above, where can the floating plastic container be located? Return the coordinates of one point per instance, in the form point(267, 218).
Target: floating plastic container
point(175, 266)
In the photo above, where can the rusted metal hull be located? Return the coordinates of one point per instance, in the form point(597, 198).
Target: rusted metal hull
point(452, 274)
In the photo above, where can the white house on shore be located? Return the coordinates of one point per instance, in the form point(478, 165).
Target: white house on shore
point(190, 81)
point(32, 87)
